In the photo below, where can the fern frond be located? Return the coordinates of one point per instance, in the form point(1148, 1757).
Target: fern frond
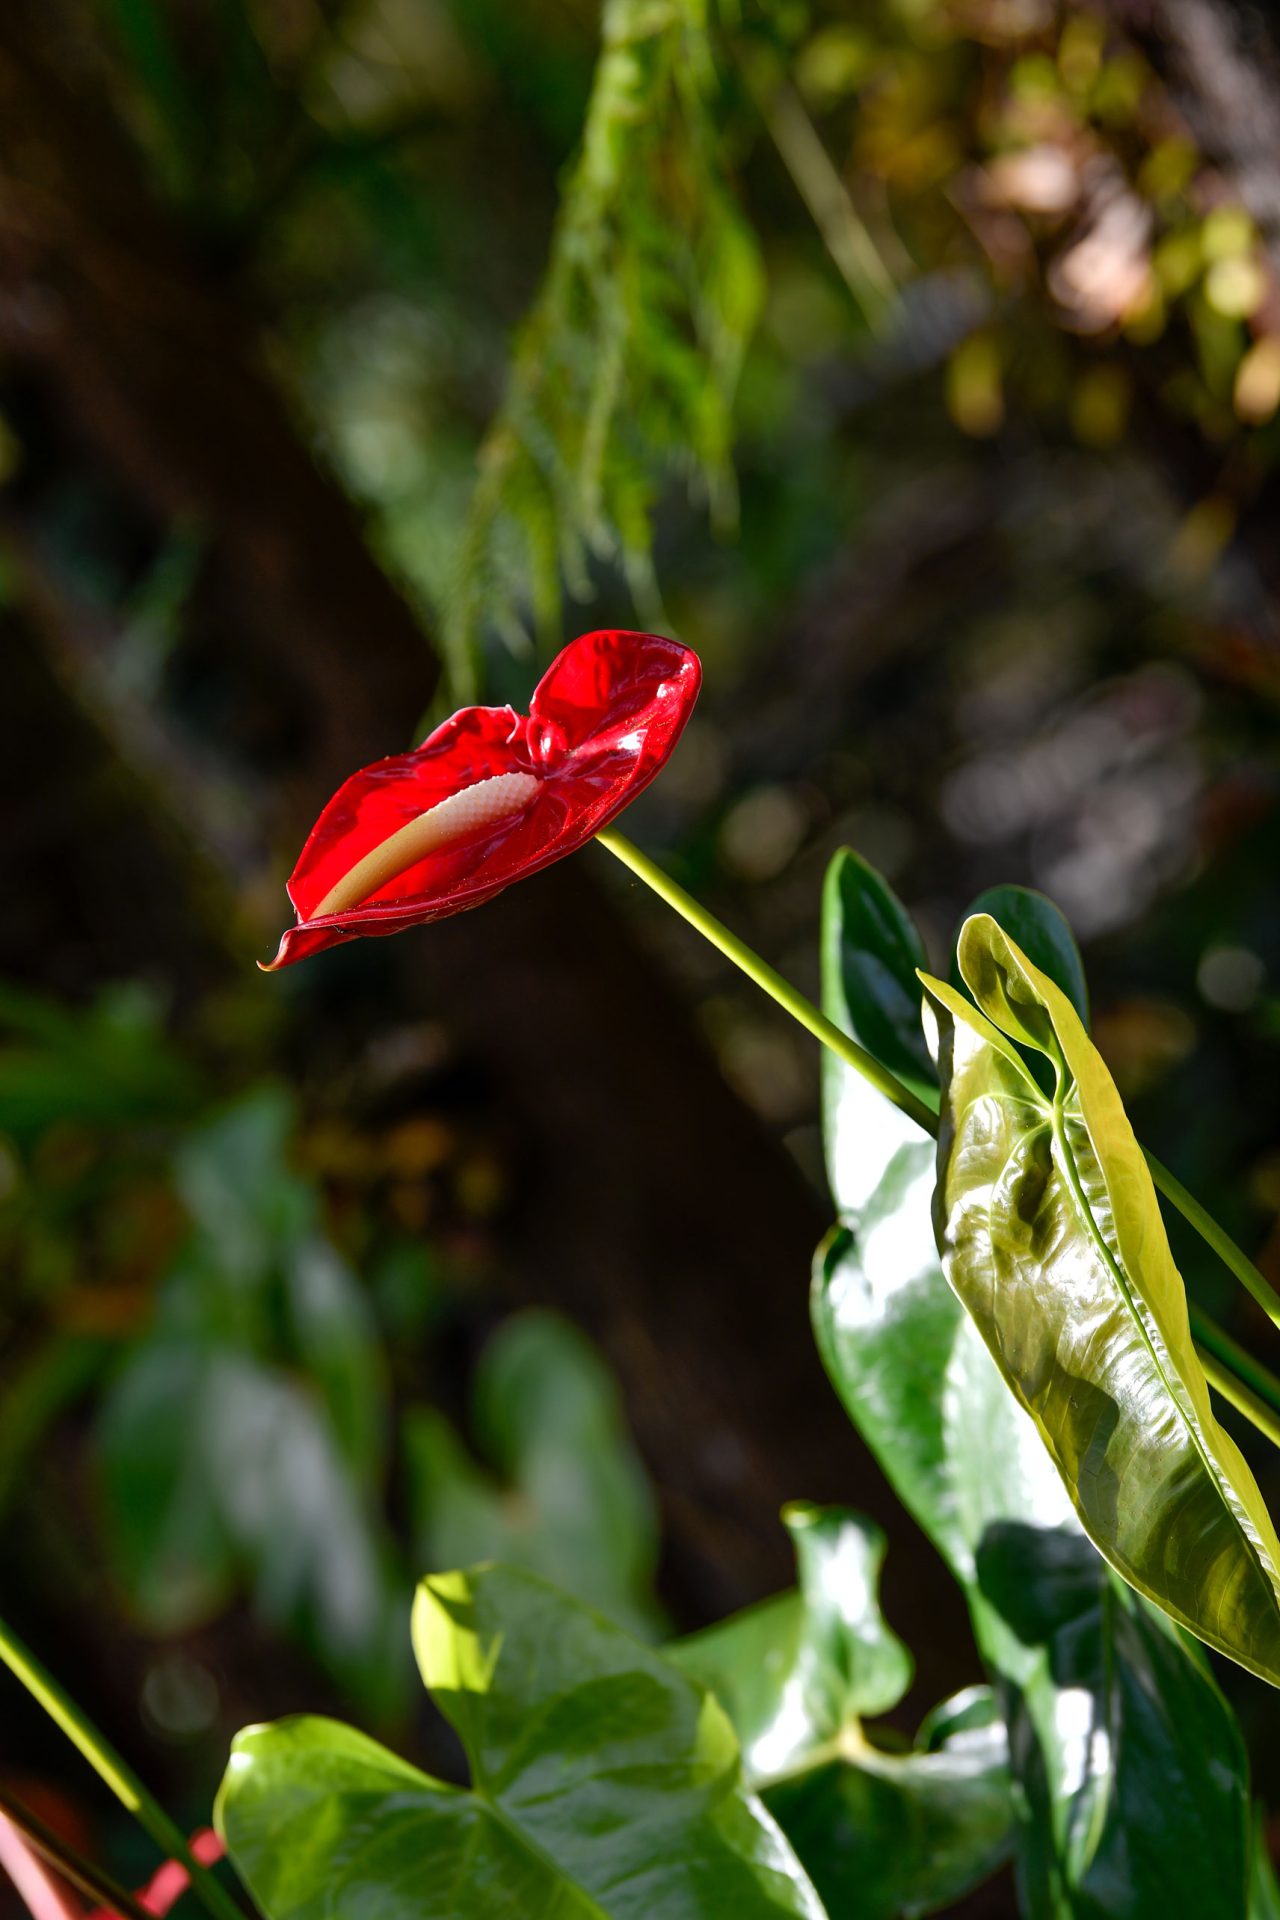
point(624, 370)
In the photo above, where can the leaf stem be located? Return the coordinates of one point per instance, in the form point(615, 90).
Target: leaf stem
point(110, 1768)
point(1231, 1256)
point(1234, 1391)
point(769, 981)
point(72, 1865)
point(1227, 1365)
point(1229, 1356)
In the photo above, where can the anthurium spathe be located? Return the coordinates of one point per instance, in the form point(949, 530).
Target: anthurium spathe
point(492, 795)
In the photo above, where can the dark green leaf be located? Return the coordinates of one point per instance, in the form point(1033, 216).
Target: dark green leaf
point(870, 955)
point(111, 1065)
point(605, 1785)
point(880, 1832)
point(1088, 1673)
point(1052, 1238)
point(221, 1473)
point(241, 1440)
point(1132, 1762)
point(1043, 932)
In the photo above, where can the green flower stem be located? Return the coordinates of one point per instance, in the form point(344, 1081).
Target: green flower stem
point(1223, 1360)
point(1213, 1236)
point(768, 981)
point(125, 1785)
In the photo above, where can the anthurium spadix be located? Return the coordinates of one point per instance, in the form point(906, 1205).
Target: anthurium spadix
point(1051, 1236)
point(492, 795)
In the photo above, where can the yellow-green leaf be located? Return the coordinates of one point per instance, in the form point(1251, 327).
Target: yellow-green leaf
point(1052, 1238)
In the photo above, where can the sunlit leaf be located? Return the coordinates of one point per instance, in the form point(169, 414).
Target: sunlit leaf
point(1129, 1763)
point(1042, 931)
point(1053, 1240)
point(880, 1831)
point(605, 1785)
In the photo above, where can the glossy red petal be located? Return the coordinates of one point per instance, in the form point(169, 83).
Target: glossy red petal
point(602, 722)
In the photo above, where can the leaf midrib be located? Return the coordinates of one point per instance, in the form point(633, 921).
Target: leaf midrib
point(1094, 1231)
point(533, 1847)
point(1053, 1116)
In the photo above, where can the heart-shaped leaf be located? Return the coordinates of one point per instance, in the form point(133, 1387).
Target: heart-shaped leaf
point(606, 1785)
point(881, 1832)
point(1130, 1767)
point(1052, 1238)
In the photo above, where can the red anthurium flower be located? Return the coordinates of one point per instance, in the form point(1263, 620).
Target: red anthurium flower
point(492, 794)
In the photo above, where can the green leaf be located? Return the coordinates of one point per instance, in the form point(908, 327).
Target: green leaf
point(241, 1440)
point(269, 1277)
point(1052, 1238)
point(112, 1065)
point(1044, 934)
point(794, 1672)
point(1129, 1763)
point(222, 1474)
point(625, 369)
point(879, 1832)
point(605, 1785)
point(1133, 1765)
point(870, 955)
point(570, 1499)
point(900, 1350)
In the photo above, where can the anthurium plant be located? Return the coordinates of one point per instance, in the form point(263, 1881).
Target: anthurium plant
point(998, 1309)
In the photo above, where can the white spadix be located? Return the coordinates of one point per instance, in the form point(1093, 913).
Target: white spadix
point(482, 805)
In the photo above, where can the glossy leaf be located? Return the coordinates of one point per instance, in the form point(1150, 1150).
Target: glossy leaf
point(1044, 934)
point(1132, 1762)
point(911, 1369)
point(881, 1832)
point(605, 1785)
point(870, 955)
point(1052, 1238)
point(1088, 1672)
point(569, 1497)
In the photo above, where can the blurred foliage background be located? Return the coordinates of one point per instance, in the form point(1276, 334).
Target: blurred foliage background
point(918, 363)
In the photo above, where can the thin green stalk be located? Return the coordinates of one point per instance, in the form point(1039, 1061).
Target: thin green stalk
point(1234, 1391)
point(769, 981)
point(1228, 1353)
point(59, 1854)
point(1259, 1401)
point(123, 1782)
point(1212, 1234)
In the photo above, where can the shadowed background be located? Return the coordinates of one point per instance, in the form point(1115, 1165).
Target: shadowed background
point(923, 371)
